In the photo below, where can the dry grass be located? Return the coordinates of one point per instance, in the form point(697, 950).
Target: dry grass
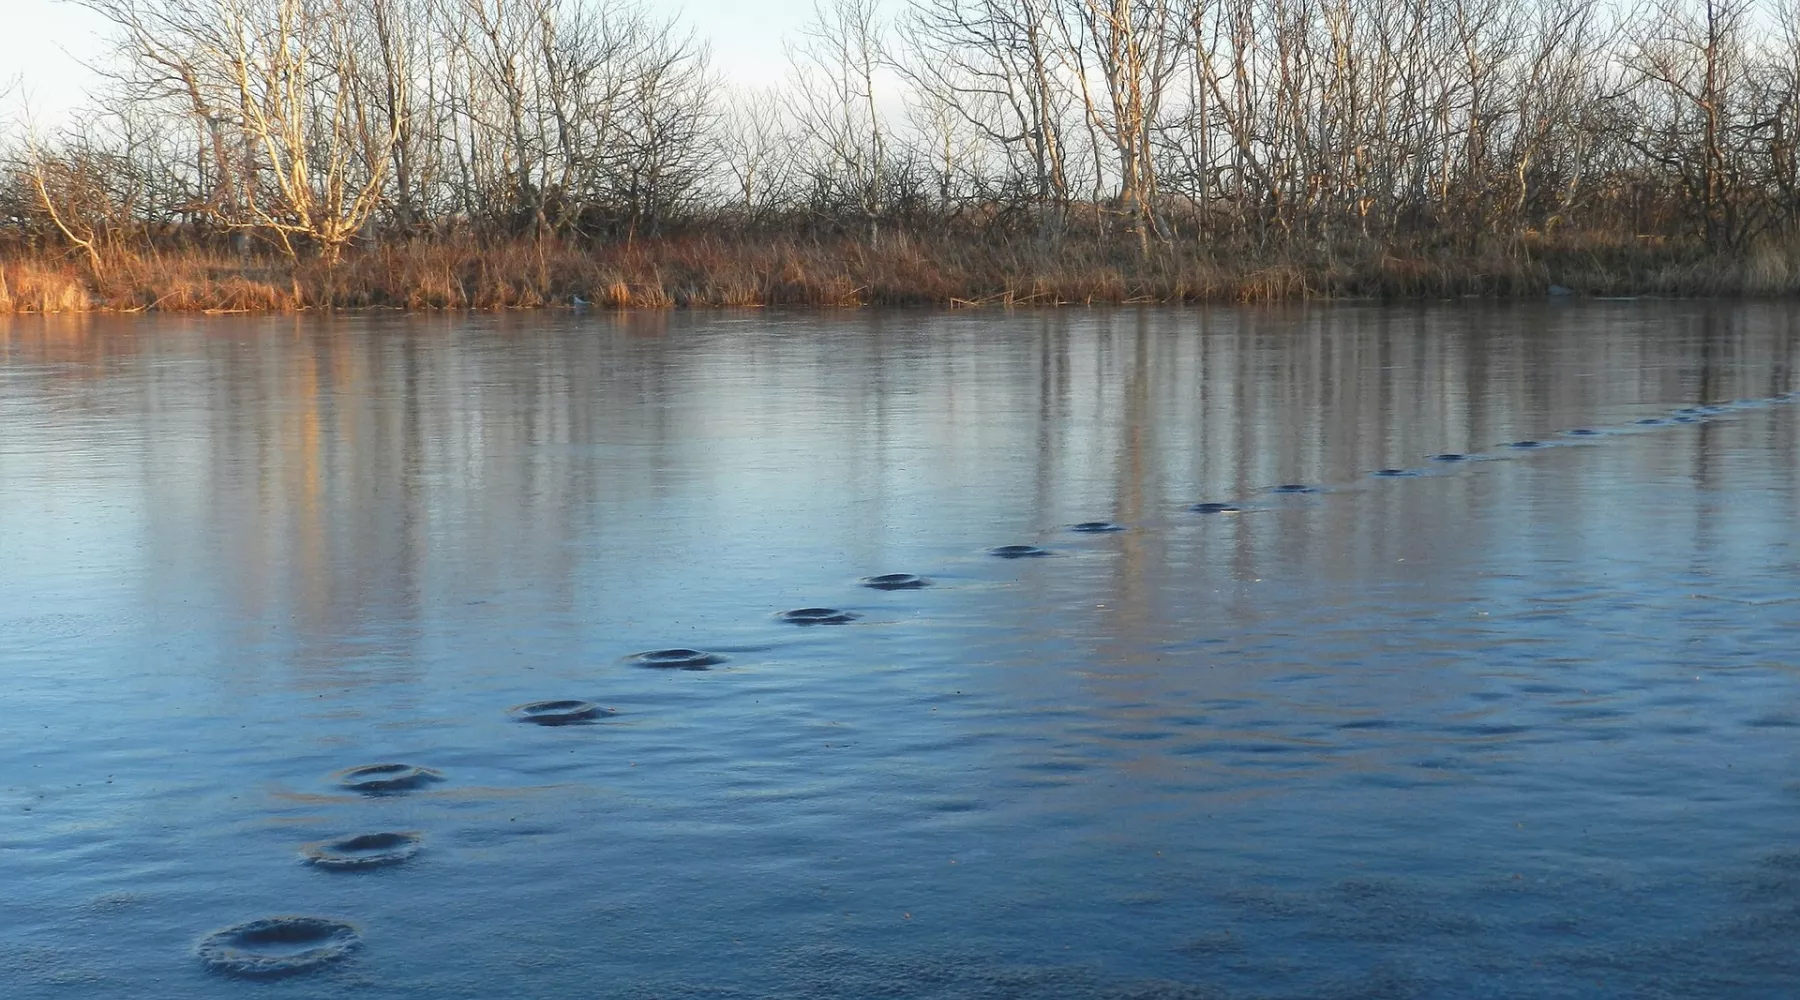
point(713, 271)
point(42, 287)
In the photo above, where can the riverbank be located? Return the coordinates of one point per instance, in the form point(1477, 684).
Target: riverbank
point(711, 272)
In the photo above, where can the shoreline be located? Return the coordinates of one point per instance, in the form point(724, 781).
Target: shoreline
point(900, 271)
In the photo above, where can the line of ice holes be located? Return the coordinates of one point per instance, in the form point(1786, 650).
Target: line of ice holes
point(279, 946)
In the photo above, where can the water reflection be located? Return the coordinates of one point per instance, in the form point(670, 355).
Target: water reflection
point(314, 463)
point(1344, 717)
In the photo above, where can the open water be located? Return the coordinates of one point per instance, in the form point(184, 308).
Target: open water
point(1520, 724)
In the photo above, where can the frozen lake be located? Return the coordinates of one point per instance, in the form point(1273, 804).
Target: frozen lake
point(1522, 723)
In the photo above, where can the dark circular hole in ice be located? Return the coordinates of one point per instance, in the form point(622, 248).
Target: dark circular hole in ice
point(1295, 488)
point(1449, 456)
point(1018, 551)
point(381, 779)
point(1582, 432)
point(556, 713)
point(1096, 527)
point(895, 581)
point(368, 850)
point(818, 616)
point(677, 659)
point(1526, 444)
point(1394, 473)
point(277, 946)
point(1213, 507)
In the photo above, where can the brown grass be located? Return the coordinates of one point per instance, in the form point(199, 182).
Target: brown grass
point(714, 271)
point(42, 287)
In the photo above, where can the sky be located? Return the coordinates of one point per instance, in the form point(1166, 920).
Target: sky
point(45, 42)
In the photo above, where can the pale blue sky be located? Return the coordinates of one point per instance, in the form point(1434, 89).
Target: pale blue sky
point(45, 41)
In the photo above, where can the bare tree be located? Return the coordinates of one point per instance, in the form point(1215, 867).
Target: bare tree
point(836, 110)
point(662, 149)
point(755, 141)
point(994, 65)
point(273, 83)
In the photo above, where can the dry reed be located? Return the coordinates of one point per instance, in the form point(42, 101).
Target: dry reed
point(716, 272)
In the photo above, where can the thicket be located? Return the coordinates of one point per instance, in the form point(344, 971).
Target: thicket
point(261, 154)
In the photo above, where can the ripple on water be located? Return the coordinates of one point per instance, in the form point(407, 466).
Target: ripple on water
point(818, 616)
point(1213, 507)
point(368, 850)
point(895, 581)
point(1294, 488)
point(1526, 444)
point(564, 712)
point(1096, 527)
point(1582, 432)
point(1018, 551)
point(676, 659)
point(277, 946)
point(1449, 456)
point(385, 779)
point(1394, 473)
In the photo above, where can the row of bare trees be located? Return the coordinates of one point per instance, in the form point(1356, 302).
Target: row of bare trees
point(1333, 121)
point(1158, 126)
